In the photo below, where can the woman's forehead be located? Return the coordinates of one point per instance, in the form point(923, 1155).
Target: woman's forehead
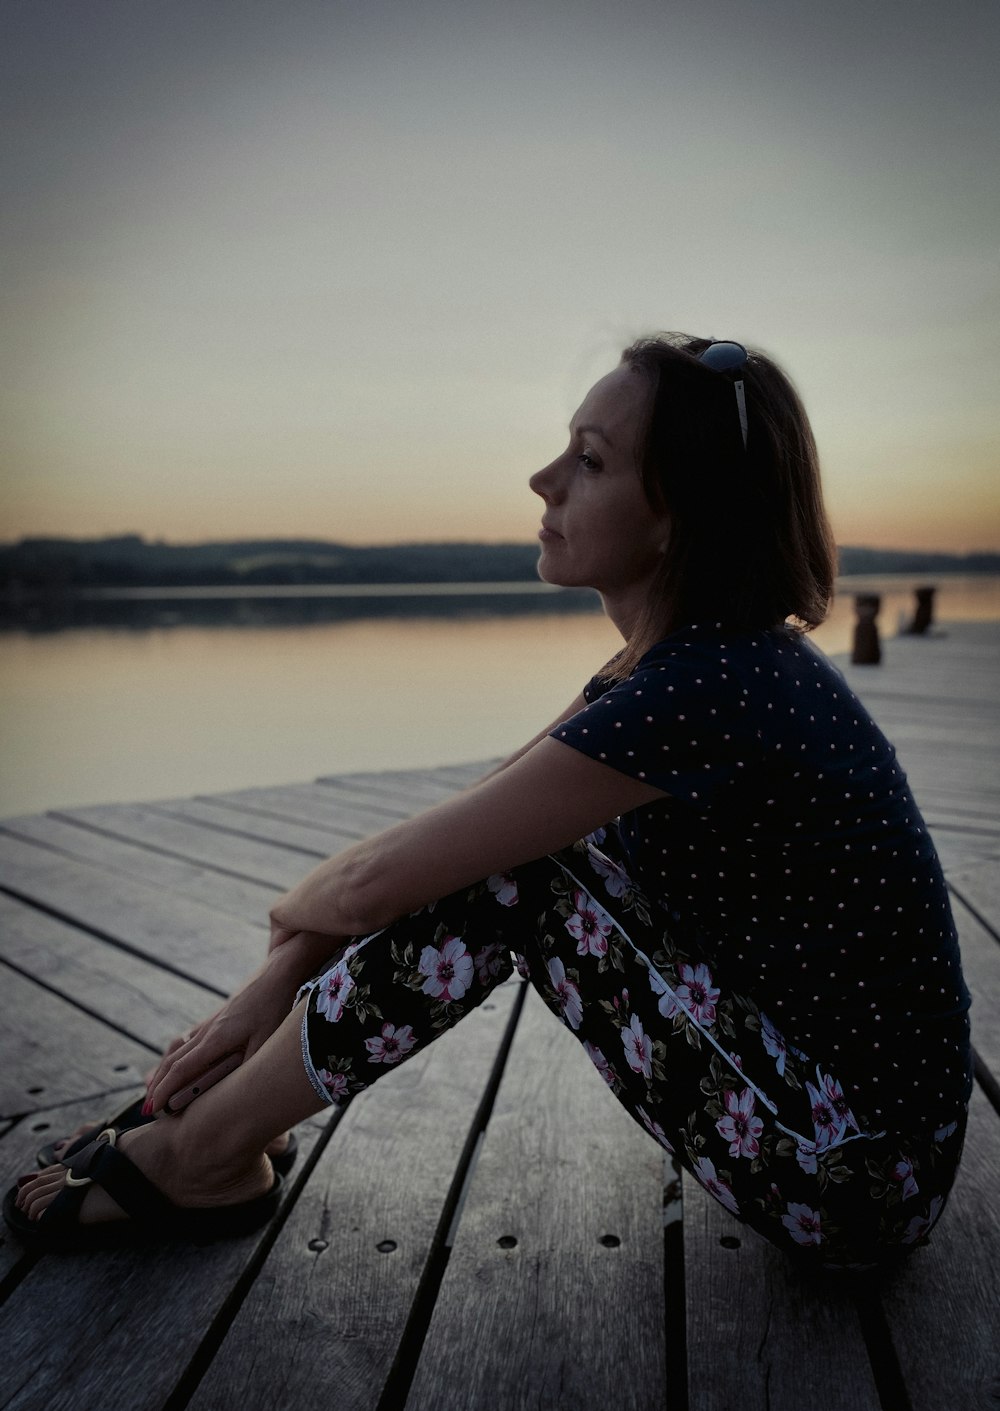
point(615, 403)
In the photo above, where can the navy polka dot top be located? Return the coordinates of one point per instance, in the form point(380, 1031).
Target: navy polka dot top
point(791, 844)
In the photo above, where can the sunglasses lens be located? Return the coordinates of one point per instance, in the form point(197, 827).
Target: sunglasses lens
point(724, 357)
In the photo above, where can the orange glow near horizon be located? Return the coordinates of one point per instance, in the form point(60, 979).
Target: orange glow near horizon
point(345, 271)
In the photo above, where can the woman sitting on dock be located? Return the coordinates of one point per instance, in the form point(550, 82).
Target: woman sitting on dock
point(710, 867)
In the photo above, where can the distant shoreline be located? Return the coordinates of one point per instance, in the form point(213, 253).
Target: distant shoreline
point(470, 588)
point(65, 568)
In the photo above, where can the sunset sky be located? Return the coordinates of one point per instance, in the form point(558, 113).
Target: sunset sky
point(344, 270)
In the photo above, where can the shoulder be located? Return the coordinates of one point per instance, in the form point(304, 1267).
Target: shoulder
point(697, 663)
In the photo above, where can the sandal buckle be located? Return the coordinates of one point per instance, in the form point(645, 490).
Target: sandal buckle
point(106, 1138)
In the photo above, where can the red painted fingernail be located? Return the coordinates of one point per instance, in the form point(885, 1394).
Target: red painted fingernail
point(147, 1107)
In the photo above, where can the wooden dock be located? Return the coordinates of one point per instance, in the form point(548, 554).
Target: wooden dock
point(486, 1228)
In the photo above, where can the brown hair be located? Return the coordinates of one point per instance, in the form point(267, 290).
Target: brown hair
point(750, 545)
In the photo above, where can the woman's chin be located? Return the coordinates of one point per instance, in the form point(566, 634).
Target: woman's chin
point(549, 570)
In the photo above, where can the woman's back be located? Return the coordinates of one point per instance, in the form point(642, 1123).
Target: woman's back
point(792, 845)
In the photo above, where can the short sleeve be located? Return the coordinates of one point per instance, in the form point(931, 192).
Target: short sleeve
point(681, 722)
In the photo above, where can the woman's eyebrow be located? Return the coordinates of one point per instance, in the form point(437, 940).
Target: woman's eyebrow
point(596, 430)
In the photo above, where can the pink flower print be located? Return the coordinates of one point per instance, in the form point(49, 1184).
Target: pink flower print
point(803, 1224)
point(392, 1045)
point(567, 995)
point(616, 879)
point(335, 1083)
point(448, 970)
point(600, 1063)
point(834, 1094)
point(503, 887)
point(589, 926)
point(333, 992)
point(774, 1043)
point(920, 1224)
point(705, 1173)
point(902, 1174)
point(596, 837)
point(489, 962)
point(828, 1124)
point(654, 1129)
point(740, 1127)
point(696, 993)
point(667, 1004)
point(638, 1048)
point(943, 1132)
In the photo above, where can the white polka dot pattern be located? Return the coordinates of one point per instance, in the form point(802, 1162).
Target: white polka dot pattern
point(791, 843)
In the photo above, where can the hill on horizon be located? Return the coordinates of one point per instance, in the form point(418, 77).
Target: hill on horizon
point(129, 560)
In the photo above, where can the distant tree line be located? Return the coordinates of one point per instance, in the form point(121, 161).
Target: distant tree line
point(128, 560)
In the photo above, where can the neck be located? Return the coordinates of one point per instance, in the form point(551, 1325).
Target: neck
point(625, 608)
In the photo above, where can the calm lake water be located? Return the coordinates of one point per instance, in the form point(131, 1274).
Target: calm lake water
point(148, 696)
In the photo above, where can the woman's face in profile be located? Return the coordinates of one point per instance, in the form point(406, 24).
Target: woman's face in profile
point(598, 529)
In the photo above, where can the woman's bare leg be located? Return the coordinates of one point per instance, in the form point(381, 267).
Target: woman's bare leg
point(213, 1152)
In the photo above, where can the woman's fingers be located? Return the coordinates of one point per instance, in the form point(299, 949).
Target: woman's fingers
point(176, 1049)
point(186, 1066)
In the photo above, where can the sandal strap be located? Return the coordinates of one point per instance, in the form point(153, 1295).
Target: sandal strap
point(102, 1163)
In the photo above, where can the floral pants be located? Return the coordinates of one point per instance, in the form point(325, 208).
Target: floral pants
point(765, 1130)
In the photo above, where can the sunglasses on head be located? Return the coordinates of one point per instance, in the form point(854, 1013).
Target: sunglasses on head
point(730, 357)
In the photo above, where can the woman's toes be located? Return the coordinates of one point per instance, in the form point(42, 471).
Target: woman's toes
point(36, 1195)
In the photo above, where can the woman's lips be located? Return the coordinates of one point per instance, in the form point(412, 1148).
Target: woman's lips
point(547, 533)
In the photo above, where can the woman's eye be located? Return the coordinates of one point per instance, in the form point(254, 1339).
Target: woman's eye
point(588, 461)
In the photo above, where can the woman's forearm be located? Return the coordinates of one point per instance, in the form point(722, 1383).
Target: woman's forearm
point(304, 954)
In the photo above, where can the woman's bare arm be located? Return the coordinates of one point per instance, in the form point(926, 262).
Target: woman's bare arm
point(570, 710)
point(542, 801)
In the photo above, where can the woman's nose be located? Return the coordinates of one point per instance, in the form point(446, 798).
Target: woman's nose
point(544, 482)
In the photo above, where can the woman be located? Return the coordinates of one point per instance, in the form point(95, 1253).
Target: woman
point(710, 867)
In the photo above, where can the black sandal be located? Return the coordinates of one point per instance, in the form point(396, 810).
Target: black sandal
point(121, 1122)
point(152, 1215)
point(132, 1117)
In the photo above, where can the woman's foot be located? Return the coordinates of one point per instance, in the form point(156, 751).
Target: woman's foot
point(188, 1179)
point(276, 1148)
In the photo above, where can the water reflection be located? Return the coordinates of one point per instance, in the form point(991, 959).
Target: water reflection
point(134, 698)
point(140, 610)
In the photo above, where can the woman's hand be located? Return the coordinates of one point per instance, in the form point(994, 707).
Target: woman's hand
point(248, 1018)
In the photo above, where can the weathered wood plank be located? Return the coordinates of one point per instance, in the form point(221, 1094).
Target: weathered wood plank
point(234, 895)
point(146, 1002)
point(190, 938)
point(942, 1308)
point(983, 806)
point(979, 888)
point(444, 776)
point(306, 807)
point(959, 851)
point(944, 820)
point(274, 868)
point(313, 839)
point(760, 1336)
point(329, 1297)
point(51, 1052)
point(129, 1322)
point(563, 1317)
point(981, 967)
